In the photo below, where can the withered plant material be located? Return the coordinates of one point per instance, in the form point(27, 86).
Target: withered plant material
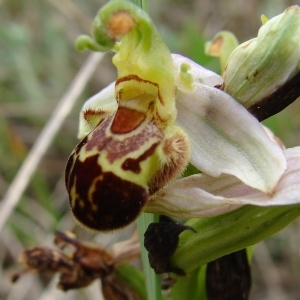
point(84, 264)
point(229, 277)
point(161, 240)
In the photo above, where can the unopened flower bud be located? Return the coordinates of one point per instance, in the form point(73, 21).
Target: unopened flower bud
point(263, 73)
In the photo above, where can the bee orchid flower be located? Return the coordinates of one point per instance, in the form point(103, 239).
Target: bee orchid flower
point(133, 146)
point(163, 112)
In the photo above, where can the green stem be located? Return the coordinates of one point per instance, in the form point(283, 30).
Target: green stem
point(145, 5)
point(153, 283)
point(191, 286)
point(133, 278)
point(221, 235)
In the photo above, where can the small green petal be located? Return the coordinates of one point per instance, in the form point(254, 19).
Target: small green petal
point(185, 78)
point(264, 19)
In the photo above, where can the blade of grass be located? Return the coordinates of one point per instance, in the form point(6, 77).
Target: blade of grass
point(63, 108)
point(144, 5)
point(153, 283)
point(140, 3)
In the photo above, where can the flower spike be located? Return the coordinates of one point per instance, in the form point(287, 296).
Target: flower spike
point(131, 147)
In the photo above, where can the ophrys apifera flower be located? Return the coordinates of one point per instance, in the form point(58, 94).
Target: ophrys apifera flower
point(132, 147)
point(137, 134)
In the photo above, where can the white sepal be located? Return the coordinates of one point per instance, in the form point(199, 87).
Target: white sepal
point(226, 138)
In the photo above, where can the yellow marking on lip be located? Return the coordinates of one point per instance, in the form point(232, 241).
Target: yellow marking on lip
point(81, 203)
point(127, 120)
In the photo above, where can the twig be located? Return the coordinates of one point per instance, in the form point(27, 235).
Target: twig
point(21, 180)
point(73, 12)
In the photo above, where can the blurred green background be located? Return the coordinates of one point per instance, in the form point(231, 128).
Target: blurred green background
point(37, 64)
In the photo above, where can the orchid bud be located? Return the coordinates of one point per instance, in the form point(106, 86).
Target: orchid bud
point(263, 73)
